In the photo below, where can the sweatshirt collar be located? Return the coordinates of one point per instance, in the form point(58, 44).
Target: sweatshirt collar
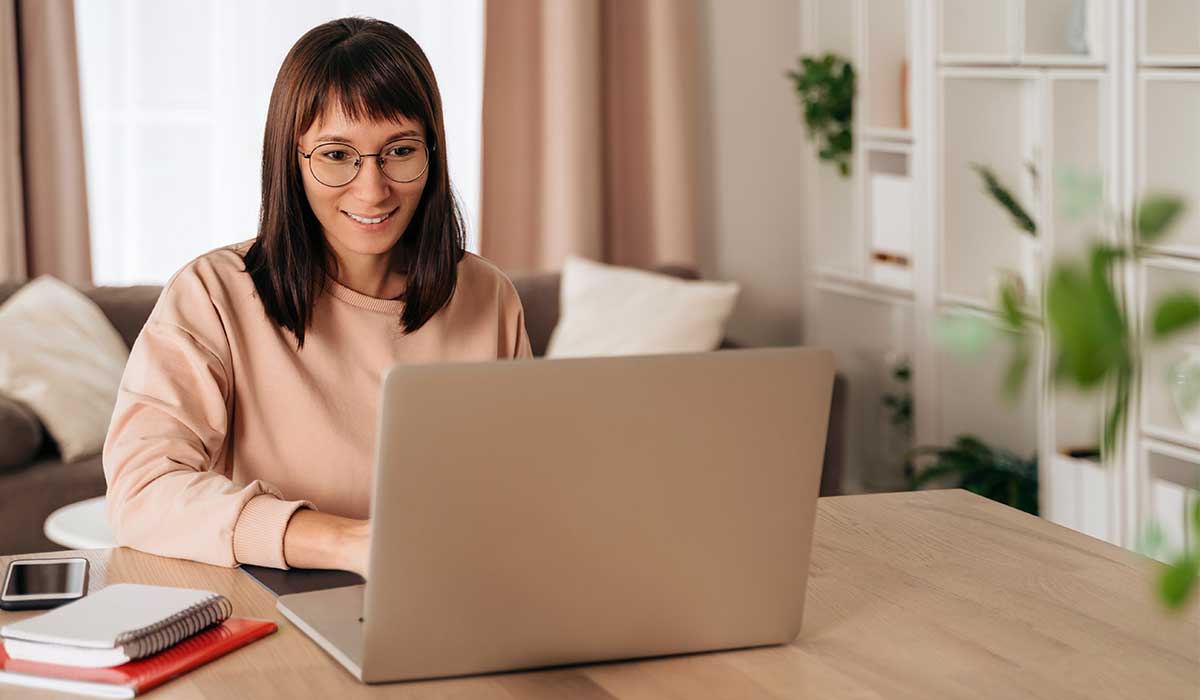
point(362, 301)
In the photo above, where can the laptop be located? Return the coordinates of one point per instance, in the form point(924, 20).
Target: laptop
point(537, 513)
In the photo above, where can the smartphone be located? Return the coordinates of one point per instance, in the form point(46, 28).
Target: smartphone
point(38, 584)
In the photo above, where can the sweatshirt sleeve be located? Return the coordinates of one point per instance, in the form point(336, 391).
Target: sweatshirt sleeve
point(165, 450)
point(523, 349)
point(514, 339)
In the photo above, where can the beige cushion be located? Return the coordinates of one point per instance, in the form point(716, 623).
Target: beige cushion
point(609, 310)
point(63, 359)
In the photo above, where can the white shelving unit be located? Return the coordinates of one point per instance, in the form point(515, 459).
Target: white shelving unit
point(869, 223)
point(1167, 33)
point(1053, 96)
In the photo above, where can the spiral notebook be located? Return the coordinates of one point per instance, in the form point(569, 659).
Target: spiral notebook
point(119, 623)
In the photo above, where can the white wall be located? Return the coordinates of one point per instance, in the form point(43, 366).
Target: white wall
point(753, 150)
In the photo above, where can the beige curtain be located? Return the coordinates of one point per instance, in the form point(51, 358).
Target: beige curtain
point(590, 132)
point(43, 192)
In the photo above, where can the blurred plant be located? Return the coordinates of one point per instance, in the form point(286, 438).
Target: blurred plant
point(826, 88)
point(899, 404)
point(1093, 342)
point(1005, 198)
point(1182, 575)
point(988, 471)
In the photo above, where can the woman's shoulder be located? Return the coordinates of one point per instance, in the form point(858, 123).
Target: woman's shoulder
point(477, 272)
point(213, 279)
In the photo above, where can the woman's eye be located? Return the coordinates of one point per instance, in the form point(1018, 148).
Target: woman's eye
point(335, 156)
point(400, 151)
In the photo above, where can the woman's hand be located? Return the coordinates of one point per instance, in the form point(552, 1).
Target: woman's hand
point(321, 541)
point(358, 547)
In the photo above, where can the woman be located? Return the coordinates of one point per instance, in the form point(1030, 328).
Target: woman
point(244, 430)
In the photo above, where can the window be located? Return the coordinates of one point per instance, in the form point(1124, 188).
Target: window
point(175, 95)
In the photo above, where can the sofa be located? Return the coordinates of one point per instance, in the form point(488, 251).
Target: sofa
point(30, 493)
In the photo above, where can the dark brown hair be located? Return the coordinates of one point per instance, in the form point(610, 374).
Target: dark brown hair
point(369, 69)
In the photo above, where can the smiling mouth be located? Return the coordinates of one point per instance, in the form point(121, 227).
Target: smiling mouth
point(369, 219)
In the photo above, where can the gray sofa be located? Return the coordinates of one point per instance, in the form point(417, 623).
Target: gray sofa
point(31, 492)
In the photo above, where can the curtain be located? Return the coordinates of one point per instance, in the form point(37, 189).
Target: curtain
point(43, 192)
point(590, 132)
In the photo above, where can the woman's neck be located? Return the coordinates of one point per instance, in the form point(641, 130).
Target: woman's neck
point(374, 276)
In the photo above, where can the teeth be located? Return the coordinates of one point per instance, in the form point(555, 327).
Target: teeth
point(361, 220)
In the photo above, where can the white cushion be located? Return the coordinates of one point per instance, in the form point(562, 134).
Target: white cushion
point(61, 356)
point(609, 310)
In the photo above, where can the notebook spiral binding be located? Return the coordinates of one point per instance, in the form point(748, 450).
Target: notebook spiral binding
point(169, 632)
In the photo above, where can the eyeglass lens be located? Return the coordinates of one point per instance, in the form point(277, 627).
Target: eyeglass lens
point(336, 164)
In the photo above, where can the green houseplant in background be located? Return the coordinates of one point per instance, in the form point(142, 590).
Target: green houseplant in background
point(988, 471)
point(1093, 342)
point(826, 86)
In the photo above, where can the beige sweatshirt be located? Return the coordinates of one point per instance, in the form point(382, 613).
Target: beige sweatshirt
point(222, 429)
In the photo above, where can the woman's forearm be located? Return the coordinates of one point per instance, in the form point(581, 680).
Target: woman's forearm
point(321, 541)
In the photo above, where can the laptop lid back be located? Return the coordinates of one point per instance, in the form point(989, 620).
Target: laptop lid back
point(542, 512)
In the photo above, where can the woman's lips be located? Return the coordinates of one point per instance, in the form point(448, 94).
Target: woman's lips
point(370, 226)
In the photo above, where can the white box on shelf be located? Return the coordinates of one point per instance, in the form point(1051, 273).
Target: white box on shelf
point(891, 232)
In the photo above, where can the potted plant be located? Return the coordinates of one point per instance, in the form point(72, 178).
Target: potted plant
point(826, 86)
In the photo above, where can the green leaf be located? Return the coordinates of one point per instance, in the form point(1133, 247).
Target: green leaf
point(1005, 198)
point(1080, 194)
point(1177, 582)
point(1156, 214)
point(1117, 412)
point(1010, 304)
point(1151, 540)
point(1088, 333)
point(963, 335)
point(1176, 312)
point(1018, 367)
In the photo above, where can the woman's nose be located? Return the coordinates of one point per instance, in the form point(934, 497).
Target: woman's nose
point(371, 185)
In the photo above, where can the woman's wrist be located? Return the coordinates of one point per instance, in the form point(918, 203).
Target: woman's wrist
point(316, 540)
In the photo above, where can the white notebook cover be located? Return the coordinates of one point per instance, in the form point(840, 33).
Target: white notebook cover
point(97, 620)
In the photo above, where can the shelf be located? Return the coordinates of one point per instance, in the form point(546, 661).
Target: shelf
point(886, 60)
point(868, 337)
point(1161, 416)
point(972, 398)
point(976, 31)
point(1078, 148)
point(1169, 33)
point(881, 137)
point(990, 120)
point(835, 29)
point(1062, 32)
point(838, 234)
point(1168, 140)
point(1172, 478)
point(837, 283)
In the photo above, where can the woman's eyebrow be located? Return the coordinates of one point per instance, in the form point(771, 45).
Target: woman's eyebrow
point(343, 139)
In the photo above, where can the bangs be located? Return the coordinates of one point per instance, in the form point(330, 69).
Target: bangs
point(364, 79)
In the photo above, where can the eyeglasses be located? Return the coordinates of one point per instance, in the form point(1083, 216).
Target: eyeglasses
point(336, 164)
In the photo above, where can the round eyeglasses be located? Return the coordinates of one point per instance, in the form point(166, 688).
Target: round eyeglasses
point(336, 164)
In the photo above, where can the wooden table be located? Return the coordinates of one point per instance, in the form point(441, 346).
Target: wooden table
point(935, 594)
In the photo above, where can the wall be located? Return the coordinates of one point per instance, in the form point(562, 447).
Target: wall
point(753, 150)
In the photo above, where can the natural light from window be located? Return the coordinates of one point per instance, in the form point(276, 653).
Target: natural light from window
point(175, 100)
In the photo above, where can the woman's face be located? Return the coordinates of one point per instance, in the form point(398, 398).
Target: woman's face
point(370, 195)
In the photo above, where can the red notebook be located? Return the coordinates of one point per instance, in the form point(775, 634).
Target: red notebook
point(129, 679)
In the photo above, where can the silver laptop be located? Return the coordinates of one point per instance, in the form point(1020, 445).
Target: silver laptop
point(542, 512)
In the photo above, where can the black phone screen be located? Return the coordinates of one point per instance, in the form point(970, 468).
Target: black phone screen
point(45, 578)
